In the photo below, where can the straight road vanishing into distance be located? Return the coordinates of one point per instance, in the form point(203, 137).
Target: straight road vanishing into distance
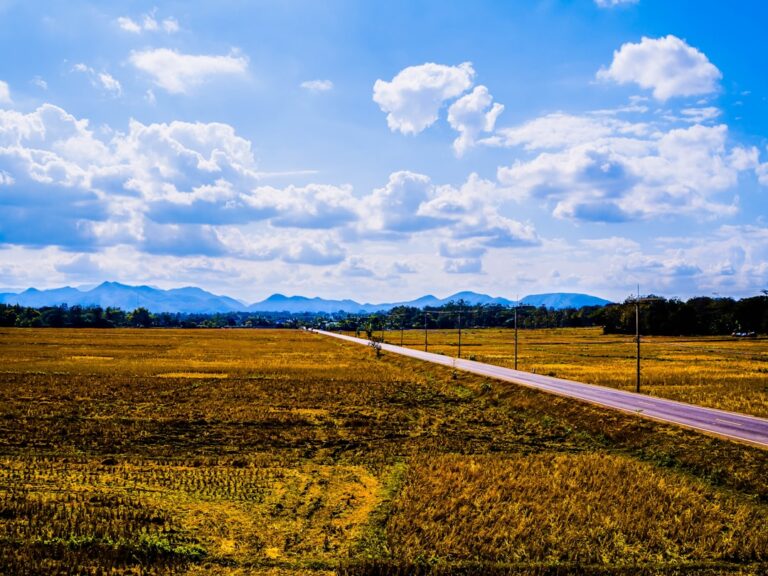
point(730, 425)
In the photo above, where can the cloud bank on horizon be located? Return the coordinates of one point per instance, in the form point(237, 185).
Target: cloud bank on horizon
point(180, 154)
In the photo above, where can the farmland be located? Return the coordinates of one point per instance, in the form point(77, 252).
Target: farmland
point(282, 452)
point(718, 372)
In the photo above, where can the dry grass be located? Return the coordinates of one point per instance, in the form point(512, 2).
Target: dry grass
point(126, 452)
point(584, 508)
point(720, 372)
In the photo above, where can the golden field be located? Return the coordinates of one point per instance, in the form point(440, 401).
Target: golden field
point(715, 371)
point(283, 452)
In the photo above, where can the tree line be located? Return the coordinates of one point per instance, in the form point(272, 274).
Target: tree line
point(703, 316)
point(97, 317)
point(658, 316)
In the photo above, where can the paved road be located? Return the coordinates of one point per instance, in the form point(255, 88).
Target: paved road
point(730, 425)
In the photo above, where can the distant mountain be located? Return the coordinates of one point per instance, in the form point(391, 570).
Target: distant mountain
point(126, 297)
point(35, 298)
point(196, 300)
point(475, 299)
point(281, 303)
point(560, 300)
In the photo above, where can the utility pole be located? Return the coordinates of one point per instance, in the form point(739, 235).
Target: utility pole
point(637, 334)
point(458, 355)
point(637, 338)
point(425, 331)
point(402, 320)
point(517, 303)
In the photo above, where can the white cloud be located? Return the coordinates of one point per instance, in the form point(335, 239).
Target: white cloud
point(148, 23)
point(40, 83)
point(762, 174)
point(668, 66)
point(557, 130)
point(394, 208)
point(110, 84)
point(129, 25)
point(699, 115)
point(83, 265)
point(5, 93)
point(462, 249)
point(317, 251)
point(177, 73)
point(741, 158)
point(617, 244)
point(171, 25)
point(317, 85)
point(728, 260)
point(178, 188)
point(356, 267)
point(613, 3)
point(102, 80)
point(472, 114)
point(313, 206)
point(413, 98)
point(463, 266)
point(464, 220)
point(604, 171)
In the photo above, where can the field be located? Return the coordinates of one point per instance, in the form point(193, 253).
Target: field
point(719, 372)
point(282, 452)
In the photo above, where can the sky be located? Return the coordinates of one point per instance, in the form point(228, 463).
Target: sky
point(381, 151)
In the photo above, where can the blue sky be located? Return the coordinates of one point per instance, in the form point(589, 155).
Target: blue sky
point(383, 150)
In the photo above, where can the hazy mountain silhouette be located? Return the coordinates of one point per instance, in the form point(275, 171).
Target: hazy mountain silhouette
point(196, 300)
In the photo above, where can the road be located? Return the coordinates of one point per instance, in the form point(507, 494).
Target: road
point(729, 425)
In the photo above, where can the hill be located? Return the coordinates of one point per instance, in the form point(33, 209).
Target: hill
point(196, 300)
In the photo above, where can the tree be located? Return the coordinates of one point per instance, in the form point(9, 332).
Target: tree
point(140, 318)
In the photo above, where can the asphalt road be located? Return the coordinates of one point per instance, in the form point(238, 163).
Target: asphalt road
point(729, 425)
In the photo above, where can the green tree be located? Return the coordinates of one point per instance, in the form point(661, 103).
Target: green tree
point(140, 318)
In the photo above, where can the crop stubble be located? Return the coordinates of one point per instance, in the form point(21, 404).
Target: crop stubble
point(234, 452)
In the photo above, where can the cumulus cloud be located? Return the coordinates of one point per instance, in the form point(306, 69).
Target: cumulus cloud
point(472, 114)
point(729, 259)
point(395, 207)
point(668, 66)
point(317, 251)
point(317, 85)
point(313, 206)
point(465, 219)
point(177, 73)
point(599, 168)
point(47, 198)
point(413, 98)
point(180, 189)
point(5, 93)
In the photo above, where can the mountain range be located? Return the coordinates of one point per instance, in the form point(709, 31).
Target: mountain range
point(196, 300)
